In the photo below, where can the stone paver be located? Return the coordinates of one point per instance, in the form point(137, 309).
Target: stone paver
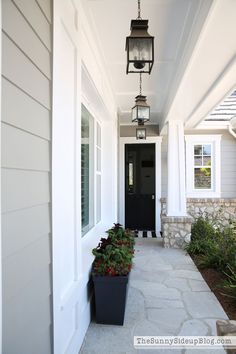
point(198, 285)
point(177, 283)
point(155, 302)
point(205, 351)
point(167, 296)
point(193, 328)
point(155, 289)
point(168, 319)
point(202, 305)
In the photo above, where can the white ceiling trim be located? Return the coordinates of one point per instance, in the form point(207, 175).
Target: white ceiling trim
point(204, 8)
point(94, 67)
point(220, 89)
point(204, 84)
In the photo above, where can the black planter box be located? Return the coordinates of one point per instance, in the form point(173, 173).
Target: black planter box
point(110, 299)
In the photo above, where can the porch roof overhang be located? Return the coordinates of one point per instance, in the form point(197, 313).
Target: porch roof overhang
point(195, 56)
point(211, 71)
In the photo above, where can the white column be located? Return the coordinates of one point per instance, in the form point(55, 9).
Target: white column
point(176, 197)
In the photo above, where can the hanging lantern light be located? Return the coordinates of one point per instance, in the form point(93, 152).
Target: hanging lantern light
point(141, 134)
point(139, 47)
point(141, 110)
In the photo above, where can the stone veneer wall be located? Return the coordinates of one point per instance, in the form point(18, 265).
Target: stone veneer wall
point(223, 210)
point(176, 231)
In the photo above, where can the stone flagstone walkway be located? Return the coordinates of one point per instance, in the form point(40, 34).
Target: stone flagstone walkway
point(167, 296)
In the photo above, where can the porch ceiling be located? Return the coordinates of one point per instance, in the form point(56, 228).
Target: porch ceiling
point(176, 25)
point(195, 55)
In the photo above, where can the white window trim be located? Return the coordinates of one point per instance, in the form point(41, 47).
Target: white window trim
point(214, 141)
point(92, 101)
point(98, 172)
point(93, 176)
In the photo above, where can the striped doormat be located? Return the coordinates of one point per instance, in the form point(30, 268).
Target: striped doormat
point(145, 234)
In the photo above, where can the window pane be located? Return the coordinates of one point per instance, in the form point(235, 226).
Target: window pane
point(206, 149)
point(198, 161)
point(131, 174)
point(98, 135)
point(85, 184)
point(87, 161)
point(98, 160)
point(207, 161)
point(197, 149)
point(98, 198)
point(202, 178)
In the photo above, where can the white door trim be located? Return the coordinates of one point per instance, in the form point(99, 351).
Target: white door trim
point(132, 140)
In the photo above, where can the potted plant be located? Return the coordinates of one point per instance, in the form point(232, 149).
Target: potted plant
point(110, 271)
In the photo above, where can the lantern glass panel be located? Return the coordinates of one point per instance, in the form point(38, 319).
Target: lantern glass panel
point(140, 49)
point(141, 133)
point(134, 113)
point(140, 53)
point(143, 112)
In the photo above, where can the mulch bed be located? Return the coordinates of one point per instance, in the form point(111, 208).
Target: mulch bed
point(215, 279)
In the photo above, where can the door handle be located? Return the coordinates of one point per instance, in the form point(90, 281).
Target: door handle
point(153, 197)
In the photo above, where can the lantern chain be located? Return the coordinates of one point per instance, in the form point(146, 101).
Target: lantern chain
point(139, 10)
point(140, 84)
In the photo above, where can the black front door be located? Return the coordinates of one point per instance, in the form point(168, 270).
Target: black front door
point(140, 186)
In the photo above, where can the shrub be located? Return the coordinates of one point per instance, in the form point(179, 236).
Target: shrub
point(202, 238)
point(215, 218)
point(201, 246)
point(202, 229)
point(226, 241)
point(230, 283)
point(215, 247)
point(113, 255)
point(222, 253)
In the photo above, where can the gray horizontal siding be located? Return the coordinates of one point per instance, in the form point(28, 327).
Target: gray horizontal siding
point(24, 189)
point(228, 166)
point(228, 162)
point(36, 18)
point(25, 38)
point(45, 6)
point(16, 152)
point(22, 267)
point(26, 175)
point(25, 113)
point(28, 76)
point(20, 325)
point(17, 223)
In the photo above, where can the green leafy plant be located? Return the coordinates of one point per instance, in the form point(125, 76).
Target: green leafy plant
point(222, 253)
point(214, 247)
point(202, 229)
point(230, 283)
point(113, 255)
point(214, 219)
point(202, 238)
point(226, 241)
point(121, 236)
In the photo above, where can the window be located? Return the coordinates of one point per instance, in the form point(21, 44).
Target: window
point(87, 170)
point(203, 165)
